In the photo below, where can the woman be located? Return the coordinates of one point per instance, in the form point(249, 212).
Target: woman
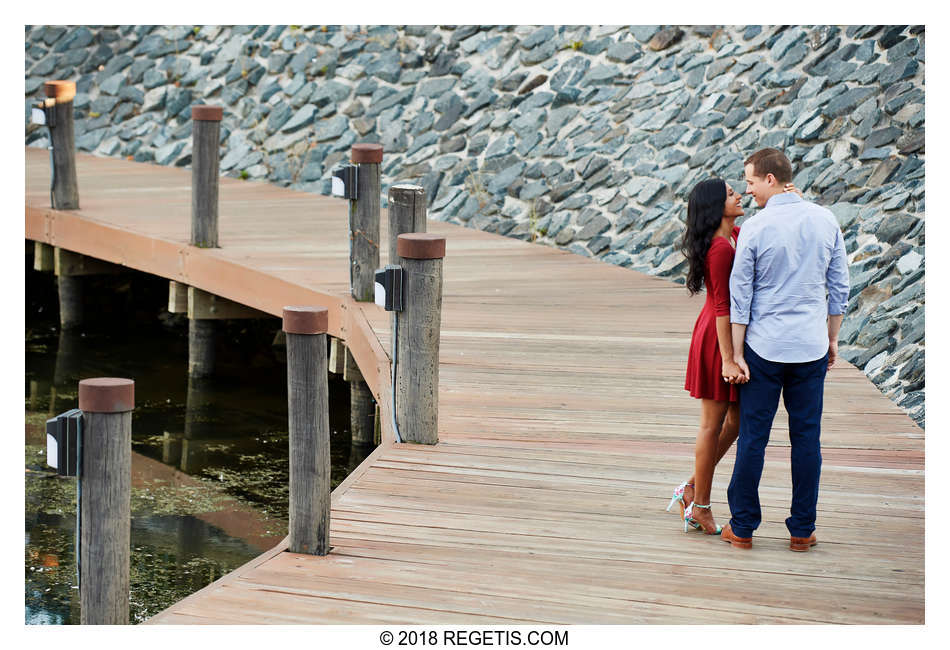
point(711, 375)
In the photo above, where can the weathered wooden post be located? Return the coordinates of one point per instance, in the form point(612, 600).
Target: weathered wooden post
point(364, 221)
point(69, 267)
point(407, 213)
point(309, 424)
point(206, 133)
point(362, 404)
point(200, 347)
point(417, 338)
point(107, 405)
point(65, 187)
point(69, 288)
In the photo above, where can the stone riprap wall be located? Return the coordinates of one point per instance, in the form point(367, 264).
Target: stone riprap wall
point(586, 138)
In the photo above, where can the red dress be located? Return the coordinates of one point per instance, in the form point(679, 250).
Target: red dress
point(704, 367)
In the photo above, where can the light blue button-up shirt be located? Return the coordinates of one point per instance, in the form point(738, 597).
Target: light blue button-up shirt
point(789, 274)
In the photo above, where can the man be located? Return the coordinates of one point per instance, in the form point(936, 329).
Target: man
point(785, 338)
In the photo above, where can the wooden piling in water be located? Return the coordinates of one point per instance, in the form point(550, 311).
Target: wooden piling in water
point(200, 347)
point(206, 132)
point(65, 186)
point(417, 340)
point(364, 221)
point(407, 213)
point(309, 426)
point(362, 404)
point(106, 475)
point(69, 288)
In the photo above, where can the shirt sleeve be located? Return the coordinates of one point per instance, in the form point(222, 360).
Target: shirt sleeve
point(837, 279)
point(740, 282)
point(719, 260)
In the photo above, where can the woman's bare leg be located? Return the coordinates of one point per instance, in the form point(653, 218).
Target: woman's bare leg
point(707, 454)
point(727, 436)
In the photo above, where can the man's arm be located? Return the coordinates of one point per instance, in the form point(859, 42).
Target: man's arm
point(839, 286)
point(834, 326)
point(741, 288)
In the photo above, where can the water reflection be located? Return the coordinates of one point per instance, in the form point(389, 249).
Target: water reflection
point(209, 462)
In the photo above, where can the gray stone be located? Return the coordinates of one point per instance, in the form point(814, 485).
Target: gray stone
point(153, 78)
point(278, 117)
point(897, 71)
point(735, 117)
point(624, 52)
point(601, 74)
point(911, 143)
point(165, 155)
point(330, 129)
point(596, 226)
point(644, 33)
point(301, 119)
point(847, 101)
point(540, 53)
point(436, 87)
point(539, 36)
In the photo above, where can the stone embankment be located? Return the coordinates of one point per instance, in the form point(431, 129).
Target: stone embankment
point(586, 138)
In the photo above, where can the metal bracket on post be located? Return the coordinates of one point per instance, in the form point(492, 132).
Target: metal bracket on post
point(63, 443)
point(343, 182)
point(389, 287)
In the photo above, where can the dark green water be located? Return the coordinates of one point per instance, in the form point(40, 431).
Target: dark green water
point(209, 460)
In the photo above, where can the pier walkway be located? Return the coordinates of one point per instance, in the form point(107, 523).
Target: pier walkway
point(563, 427)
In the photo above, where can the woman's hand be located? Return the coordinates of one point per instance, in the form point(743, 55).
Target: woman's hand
point(790, 187)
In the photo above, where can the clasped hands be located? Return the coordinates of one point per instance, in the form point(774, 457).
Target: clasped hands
point(735, 372)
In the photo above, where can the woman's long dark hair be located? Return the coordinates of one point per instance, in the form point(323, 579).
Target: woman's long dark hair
point(703, 218)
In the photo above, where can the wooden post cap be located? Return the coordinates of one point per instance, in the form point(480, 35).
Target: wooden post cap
point(62, 91)
point(420, 246)
point(106, 395)
point(207, 113)
point(367, 152)
point(305, 320)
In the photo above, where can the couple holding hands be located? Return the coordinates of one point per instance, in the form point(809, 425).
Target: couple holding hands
point(776, 293)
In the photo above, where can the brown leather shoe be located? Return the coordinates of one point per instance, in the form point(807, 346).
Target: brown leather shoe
point(802, 543)
point(737, 542)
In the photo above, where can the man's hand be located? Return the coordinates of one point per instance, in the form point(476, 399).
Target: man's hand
point(730, 372)
point(743, 368)
point(832, 353)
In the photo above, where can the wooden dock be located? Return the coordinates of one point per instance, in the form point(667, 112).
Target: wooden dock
point(563, 428)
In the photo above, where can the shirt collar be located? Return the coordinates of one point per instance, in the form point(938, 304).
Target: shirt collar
point(784, 198)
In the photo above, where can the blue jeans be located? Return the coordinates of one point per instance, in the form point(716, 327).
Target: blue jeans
point(803, 388)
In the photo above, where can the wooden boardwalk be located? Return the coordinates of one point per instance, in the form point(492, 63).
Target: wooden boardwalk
point(563, 427)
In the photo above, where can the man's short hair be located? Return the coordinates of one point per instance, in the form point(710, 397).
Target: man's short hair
point(771, 161)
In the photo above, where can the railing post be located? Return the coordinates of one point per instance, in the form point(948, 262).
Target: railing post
point(106, 476)
point(206, 132)
point(65, 187)
point(417, 339)
point(364, 221)
point(407, 213)
point(309, 426)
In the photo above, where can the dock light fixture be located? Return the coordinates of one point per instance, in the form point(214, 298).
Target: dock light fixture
point(63, 443)
point(343, 181)
point(389, 287)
